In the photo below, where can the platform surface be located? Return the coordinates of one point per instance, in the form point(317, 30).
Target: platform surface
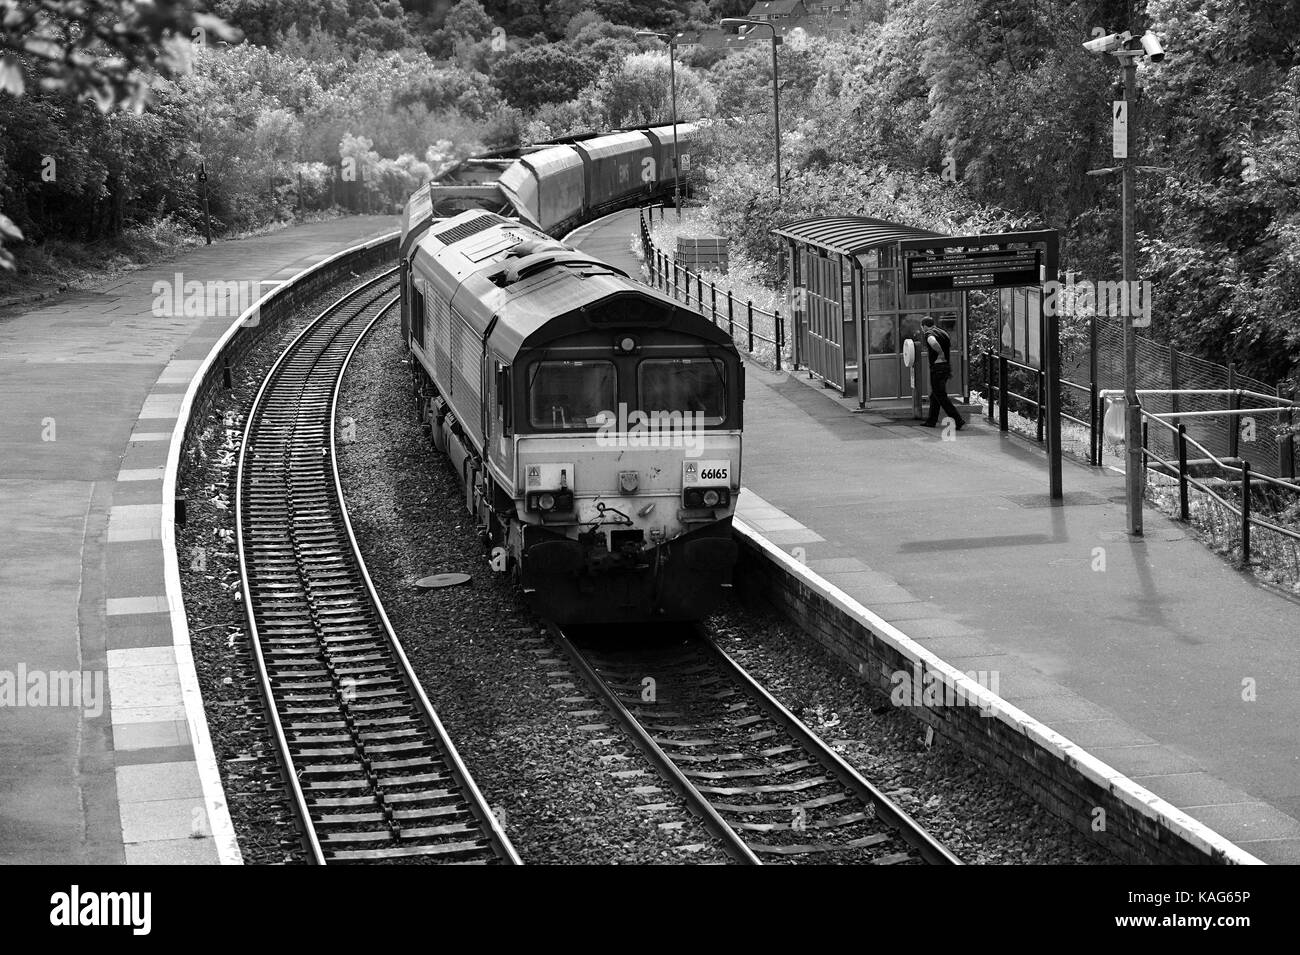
point(1152, 653)
point(91, 383)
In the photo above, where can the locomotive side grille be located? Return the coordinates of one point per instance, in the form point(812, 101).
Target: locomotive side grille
point(441, 340)
point(466, 229)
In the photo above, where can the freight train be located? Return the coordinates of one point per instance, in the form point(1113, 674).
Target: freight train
point(594, 422)
point(556, 186)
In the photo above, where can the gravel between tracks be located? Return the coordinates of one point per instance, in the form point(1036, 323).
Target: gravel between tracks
point(540, 747)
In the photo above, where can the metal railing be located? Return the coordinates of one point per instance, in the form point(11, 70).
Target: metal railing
point(1230, 524)
point(673, 279)
point(1220, 495)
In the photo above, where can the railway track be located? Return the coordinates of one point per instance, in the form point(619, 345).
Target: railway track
point(370, 770)
point(764, 784)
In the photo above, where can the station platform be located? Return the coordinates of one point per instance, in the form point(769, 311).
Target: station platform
point(1152, 653)
point(101, 753)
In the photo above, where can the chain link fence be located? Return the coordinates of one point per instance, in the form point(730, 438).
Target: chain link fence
point(1265, 440)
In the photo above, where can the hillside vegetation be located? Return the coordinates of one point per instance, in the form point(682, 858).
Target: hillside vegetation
point(952, 114)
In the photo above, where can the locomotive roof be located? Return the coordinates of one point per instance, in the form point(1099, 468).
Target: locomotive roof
point(524, 289)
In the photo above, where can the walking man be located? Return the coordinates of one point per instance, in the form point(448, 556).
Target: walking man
point(938, 344)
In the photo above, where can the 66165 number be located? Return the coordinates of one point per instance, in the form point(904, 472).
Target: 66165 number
point(713, 474)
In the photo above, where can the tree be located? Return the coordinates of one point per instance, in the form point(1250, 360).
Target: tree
point(468, 21)
point(560, 12)
point(542, 74)
point(719, 9)
point(101, 49)
point(636, 91)
point(96, 49)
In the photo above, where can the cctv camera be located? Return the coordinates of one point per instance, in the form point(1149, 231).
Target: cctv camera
point(1108, 43)
point(1151, 44)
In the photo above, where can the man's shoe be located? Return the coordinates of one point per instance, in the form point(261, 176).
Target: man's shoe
point(960, 424)
point(927, 424)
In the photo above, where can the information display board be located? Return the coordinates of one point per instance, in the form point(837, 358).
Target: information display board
point(959, 271)
point(962, 263)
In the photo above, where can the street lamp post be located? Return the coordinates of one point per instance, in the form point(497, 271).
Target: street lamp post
point(1134, 466)
point(733, 25)
point(671, 40)
point(1127, 50)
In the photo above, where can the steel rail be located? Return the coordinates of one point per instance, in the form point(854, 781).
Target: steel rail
point(732, 843)
point(1217, 460)
point(891, 814)
point(435, 748)
point(277, 728)
point(478, 804)
point(883, 808)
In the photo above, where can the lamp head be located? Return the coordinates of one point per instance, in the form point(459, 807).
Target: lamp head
point(1151, 46)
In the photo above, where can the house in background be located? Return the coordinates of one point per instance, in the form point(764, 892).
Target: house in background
point(777, 10)
point(812, 17)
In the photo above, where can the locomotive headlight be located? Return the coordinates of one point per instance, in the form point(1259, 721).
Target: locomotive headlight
point(696, 497)
point(625, 345)
point(546, 502)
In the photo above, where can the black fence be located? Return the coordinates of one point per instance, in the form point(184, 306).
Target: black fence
point(759, 332)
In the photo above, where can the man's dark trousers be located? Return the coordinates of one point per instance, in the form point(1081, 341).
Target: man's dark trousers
point(939, 375)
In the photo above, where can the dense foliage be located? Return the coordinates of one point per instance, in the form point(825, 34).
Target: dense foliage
point(953, 114)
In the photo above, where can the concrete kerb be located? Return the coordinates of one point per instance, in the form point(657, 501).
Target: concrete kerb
point(1170, 818)
point(223, 830)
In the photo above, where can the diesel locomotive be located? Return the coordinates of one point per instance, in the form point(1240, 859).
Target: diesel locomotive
point(594, 422)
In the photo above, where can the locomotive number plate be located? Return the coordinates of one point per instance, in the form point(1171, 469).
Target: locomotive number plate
point(705, 472)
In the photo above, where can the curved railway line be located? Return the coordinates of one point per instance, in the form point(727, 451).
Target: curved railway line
point(765, 785)
point(370, 770)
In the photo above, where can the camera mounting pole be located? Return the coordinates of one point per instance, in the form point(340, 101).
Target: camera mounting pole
point(1127, 49)
point(1134, 466)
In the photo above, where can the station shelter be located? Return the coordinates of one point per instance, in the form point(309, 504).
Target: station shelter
point(848, 300)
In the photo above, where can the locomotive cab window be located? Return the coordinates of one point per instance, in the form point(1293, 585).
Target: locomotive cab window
point(684, 385)
point(570, 395)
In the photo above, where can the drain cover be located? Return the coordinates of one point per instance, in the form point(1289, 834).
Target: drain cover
point(1043, 500)
point(442, 580)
